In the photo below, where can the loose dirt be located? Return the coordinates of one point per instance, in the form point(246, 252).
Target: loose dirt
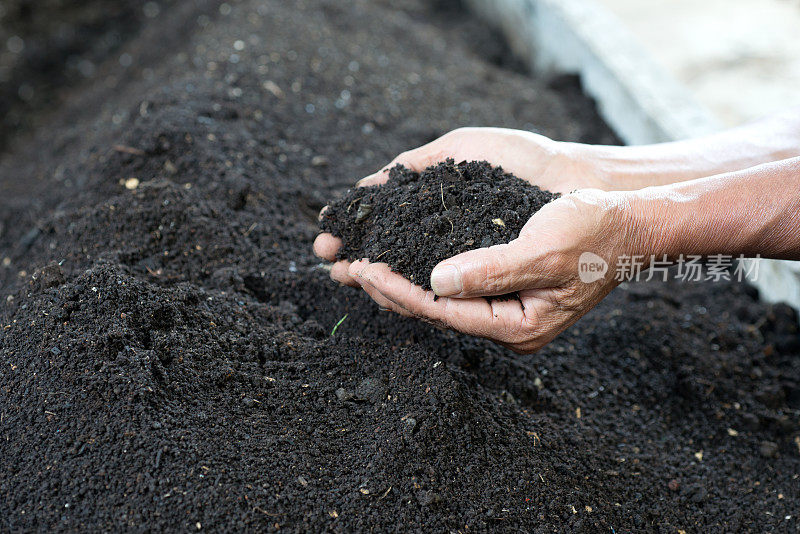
point(415, 220)
point(167, 358)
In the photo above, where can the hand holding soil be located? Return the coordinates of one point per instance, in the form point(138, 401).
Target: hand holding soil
point(676, 212)
point(534, 158)
point(548, 164)
point(540, 266)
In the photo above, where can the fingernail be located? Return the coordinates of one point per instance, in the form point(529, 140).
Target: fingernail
point(359, 270)
point(363, 180)
point(446, 280)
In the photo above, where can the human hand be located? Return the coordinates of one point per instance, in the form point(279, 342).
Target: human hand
point(551, 165)
point(541, 265)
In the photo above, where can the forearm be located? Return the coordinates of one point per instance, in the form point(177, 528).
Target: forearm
point(749, 212)
point(634, 167)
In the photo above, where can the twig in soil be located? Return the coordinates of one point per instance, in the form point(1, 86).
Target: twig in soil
point(441, 188)
point(336, 327)
point(353, 202)
point(129, 150)
point(382, 253)
point(258, 509)
point(252, 227)
point(385, 493)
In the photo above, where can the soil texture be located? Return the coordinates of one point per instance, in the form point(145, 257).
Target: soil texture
point(415, 220)
point(166, 357)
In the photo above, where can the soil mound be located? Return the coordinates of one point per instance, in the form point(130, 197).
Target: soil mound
point(185, 397)
point(415, 220)
point(166, 357)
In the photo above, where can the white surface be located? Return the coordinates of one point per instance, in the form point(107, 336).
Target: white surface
point(740, 58)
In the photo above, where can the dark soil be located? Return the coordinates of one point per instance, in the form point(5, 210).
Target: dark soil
point(166, 358)
point(416, 220)
point(50, 46)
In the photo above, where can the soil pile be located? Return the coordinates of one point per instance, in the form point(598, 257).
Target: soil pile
point(415, 220)
point(167, 362)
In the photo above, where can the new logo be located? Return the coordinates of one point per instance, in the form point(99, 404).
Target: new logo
point(591, 267)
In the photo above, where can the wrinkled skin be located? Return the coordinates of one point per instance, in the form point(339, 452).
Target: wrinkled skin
point(541, 264)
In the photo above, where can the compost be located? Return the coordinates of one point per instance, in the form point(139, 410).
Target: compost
point(415, 220)
point(169, 359)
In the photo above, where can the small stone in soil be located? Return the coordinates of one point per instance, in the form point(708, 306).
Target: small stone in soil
point(427, 497)
point(371, 389)
point(343, 395)
point(768, 449)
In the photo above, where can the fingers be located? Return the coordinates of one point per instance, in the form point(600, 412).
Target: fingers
point(521, 328)
point(472, 316)
point(326, 246)
point(383, 302)
point(378, 178)
point(340, 273)
point(495, 270)
point(416, 160)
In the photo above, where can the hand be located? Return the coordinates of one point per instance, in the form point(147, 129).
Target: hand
point(542, 265)
point(555, 166)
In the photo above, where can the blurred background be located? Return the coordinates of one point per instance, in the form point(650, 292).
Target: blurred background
point(739, 58)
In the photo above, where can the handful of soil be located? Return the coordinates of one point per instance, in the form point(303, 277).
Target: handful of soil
point(415, 220)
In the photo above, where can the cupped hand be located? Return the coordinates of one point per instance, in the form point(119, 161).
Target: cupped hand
point(552, 165)
point(543, 265)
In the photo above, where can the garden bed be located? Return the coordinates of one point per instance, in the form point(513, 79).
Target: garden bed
point(168, 346)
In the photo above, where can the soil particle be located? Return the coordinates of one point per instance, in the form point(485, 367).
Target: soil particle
point(768, 449)
point(343, 395)
point(415, 220)
point(428, 497)
point(696, 493)
point(772, 396)
point(750, 421)
point(372, 390)
point(48, 276)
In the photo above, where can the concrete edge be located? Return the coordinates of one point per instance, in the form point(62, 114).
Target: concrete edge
point(636, 97)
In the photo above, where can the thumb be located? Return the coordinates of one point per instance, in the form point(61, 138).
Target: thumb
point(495, 270)
point(416, 160)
